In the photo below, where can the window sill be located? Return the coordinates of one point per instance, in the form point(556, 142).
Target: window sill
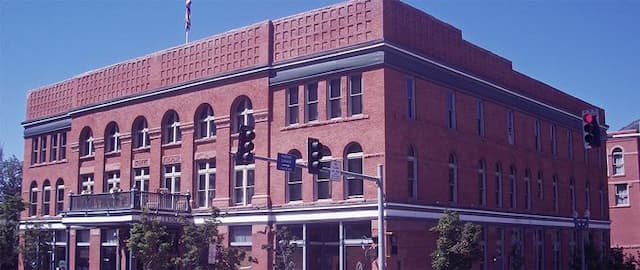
point(619, 175)
point(205, 140)
point(172, 144)
point(295, 202)
point(48, 163)
point(621, 206)
point(87, 157)
point(113, 154)
point(316, 123)
point(141, 149)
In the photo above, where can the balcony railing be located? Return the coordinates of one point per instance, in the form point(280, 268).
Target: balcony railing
point(130, 200)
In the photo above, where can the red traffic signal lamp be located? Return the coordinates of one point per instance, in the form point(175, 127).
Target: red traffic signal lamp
point(244, 154)
point(590, 130)
point(314, 155)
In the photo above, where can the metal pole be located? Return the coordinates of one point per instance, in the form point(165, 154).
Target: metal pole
point(381, 236)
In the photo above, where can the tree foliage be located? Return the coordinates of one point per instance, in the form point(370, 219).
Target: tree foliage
point(11, 205)
point(151, 243)
point(195, 241)
point(618, 260)
point(457, 246)
point(283, 249)
point(36, 246)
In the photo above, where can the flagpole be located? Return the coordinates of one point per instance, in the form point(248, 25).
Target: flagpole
point(186, 37)
point(187, 21)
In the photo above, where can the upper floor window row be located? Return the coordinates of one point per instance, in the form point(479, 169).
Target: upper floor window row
point(333, 95)
point(55, 143)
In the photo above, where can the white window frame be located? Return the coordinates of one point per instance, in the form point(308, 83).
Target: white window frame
point(244, 117)
point(621, 194)
point(556, 207)
point(246, 188)
point(527, 189)
point(292, 182)
point(63, 146)
point(412, 181)
point(572, 194)
point(43, 148)
point(35, 145)
point(311, 103)
point(172, 180)
point(556, 251)
point(482, 179)
point(327, 181)
point(539, 240)
point(141, 178)
point(206, 124)
point(480, 130)
point(349, 157)
point(331, 99)
point(452, 176)
point(142, 134)
point(553, 139)
point(410, 92)
point(617, 161)
point(540, 182)
point(451, 110)
point(46, 202)
point(113, 180)
point(172, 128)
point(499, 202)
point(59, 190)
point(206, 171)
point(511, 134)
point(33, 200)
point(355, 97)
point(537, 135)
point(114, 139)
point(53, 153)
point(292, 106)
point(513, 187)
point(87, 183)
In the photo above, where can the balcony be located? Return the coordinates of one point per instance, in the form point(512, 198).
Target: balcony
point(129, 201)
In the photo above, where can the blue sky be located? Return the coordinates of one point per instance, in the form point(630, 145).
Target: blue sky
point(587, 48)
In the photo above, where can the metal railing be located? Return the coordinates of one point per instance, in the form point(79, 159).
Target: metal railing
point(130, 200)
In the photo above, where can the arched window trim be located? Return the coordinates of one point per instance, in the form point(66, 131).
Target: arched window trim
point(59, 196)
point(171, 127)
point(322, 187)
point(33, 198)
point(141, 133)
point(243, 113)
point(617, 160)
point(205, 122)
point(498, 184)
point(86, 142)
point(354, 185)
point(527, 189)
point(293, 180)
point(46, 197)
point(513, 184)
point(112, 138)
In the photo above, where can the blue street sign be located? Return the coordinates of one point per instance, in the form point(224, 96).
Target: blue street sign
point(286, 162)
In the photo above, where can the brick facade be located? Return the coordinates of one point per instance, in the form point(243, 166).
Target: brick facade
point(465, 156)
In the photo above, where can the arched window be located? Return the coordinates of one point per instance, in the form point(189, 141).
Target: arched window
point(33, 198)
point(587, 195)
point(322, 180)
point(46, 197)
point(513, 187)
point(112, 138)
point(482, 182)
point(294, 180)
point(353, 163)
point(572, 193)
point(540, 185)
point(140, 133)
point(59, 196)
point(618, 161)
point(86, 142)
point(205, 125)
point(171, 127)
point(412, 173)
point(453, 178)
point(527, 188)
point(498, 184)
point(242, 113)
point(556, 207)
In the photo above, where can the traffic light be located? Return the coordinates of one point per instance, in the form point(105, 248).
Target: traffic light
point(314, 155)
point(245, 145)
point(591, 130)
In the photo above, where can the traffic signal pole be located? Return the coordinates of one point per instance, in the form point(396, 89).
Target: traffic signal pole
point(378, 180)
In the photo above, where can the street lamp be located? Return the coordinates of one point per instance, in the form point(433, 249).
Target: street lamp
point(582, 224)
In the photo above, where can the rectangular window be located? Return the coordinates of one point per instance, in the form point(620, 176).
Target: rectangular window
point(451, 110)
point(53, 153)
point(240, 237)
point(556, 251)
point(511, 136)
point(482, 185)
point(112, 183)
point(63, 145)
point(172, 178)
point(323, 182)
point(82, 249)
point(292, 105)
point(572, 195)
point(555, 194)
point(540, 186)
point(411, 98)
point(553, 139)
point(499, 259)
point(483, 248)
point(512, 190)
point(43, 148)
point(618, 162)
point(311, 97)
point(587, 196)
point(34, 150)
point(141, 179)
point(355, 94)
point(411, 176)
point(570, 144)
point(206, 182)
point(622, 194)
point(539, 238)
point(59, 199)
point(480, 118)
point(46, 200)
point(294, 185)
point(333, 104)
point(354, 184)
point(244, 184)
point(536, 135)
point(33, 201)
point(527, 190)
point(86, 184)
point(498, 189)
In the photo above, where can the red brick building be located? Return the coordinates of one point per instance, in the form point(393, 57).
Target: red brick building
point(378, 82)
point(622, 151)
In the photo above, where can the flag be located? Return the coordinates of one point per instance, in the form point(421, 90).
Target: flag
point(187, 16)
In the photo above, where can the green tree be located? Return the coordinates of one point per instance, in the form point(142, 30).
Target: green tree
point(457, 247)
point(11, 205)
point(283, 250)
point(195, 241)
point(36, 246)
point(151, 244)
point(620, 261)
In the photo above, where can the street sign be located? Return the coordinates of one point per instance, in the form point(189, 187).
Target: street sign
point(334, 171)
point(286, 162)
